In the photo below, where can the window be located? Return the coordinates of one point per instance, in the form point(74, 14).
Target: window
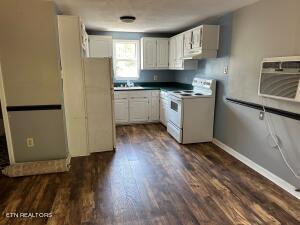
point(126, 59)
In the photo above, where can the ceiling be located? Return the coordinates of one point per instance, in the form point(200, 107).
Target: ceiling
point(164, 16)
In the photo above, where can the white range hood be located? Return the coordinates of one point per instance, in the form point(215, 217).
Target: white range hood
point(201, 54)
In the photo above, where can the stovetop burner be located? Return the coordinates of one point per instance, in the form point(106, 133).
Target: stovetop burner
point(187, 93)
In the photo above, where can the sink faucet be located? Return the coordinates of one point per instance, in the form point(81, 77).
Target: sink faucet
point(130, 83)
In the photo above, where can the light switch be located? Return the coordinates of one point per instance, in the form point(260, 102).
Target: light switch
point(30, 142)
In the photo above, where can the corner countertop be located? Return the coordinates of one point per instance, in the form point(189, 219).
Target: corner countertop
point(163, 86)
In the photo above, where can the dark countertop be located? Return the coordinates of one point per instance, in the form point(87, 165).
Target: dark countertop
point(164, 86)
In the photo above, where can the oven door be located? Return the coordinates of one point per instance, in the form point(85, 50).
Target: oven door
point(175, 111)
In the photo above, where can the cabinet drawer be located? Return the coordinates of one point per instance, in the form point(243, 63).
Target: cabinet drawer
point(121, 94)
point(139, 94)
point(174, 131)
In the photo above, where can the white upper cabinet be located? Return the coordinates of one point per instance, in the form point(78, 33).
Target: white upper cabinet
point(154, 53)
point(197, 38)
point(162, 53)
point(172, 53)
point(178, 64)
point(179, 46)
point(201, 42)
point(100, 46)
point(148, 53)
point(176, 61)
point(187, 42)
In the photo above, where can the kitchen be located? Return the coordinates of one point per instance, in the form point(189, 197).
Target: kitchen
point(151, 112)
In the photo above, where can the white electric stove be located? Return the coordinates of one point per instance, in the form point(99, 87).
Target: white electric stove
point(191, 112)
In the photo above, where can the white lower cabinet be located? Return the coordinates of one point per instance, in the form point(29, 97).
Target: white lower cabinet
point(154, 109)
point(136, 106)
point(163, 108)
point(163, 112)
point(121, 111)
point(138, 109)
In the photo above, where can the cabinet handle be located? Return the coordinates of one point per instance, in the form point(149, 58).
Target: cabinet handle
point(137, 97)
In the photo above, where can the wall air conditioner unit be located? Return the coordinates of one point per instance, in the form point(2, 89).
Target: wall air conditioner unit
point(280, 78)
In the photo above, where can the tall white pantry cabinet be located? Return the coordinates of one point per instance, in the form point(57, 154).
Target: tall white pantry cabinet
point(87, 87)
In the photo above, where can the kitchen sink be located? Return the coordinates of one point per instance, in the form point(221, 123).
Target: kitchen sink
point(128, 88)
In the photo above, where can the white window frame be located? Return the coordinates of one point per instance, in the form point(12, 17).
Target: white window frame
point(137, 42)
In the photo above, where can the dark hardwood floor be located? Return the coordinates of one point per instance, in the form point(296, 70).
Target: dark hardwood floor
point(4, 159)
point(150, 179)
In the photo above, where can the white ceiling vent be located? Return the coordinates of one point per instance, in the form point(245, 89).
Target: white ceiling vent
point(280, 78)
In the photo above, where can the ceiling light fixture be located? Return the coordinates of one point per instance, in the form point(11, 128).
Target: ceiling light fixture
point(127, 19)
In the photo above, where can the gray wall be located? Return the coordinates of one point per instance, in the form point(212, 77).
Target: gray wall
point(238, 126)
point(268, 28)
point(47, 130)
point(145, 75)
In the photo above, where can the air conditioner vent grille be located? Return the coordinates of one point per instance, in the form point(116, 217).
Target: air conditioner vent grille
point(290, 65)
point(279, 85)
point(271, 65)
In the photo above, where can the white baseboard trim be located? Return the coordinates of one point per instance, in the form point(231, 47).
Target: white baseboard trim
point(267, 174)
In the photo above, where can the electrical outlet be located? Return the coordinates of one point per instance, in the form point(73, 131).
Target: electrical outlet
point(261, 115)
point(155, 77)
point(225, 69)
point(30, 142)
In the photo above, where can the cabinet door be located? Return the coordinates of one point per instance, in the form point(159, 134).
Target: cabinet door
point(100, 46)
point(187, 40)
point(179, 52)
point(179, 46)
point(121, 111)
point(172, 52)
point(162, 58)
point(139, 110)
point(196, 37)
point(154, 109)
point(163, 114)
point(149, 53)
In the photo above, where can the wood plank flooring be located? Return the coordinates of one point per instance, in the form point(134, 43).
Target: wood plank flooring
point(150, 179)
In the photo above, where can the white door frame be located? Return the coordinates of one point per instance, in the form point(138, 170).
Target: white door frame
point(6, 121)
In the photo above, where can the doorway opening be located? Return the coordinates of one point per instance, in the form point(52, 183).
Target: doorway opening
point(4, 158)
